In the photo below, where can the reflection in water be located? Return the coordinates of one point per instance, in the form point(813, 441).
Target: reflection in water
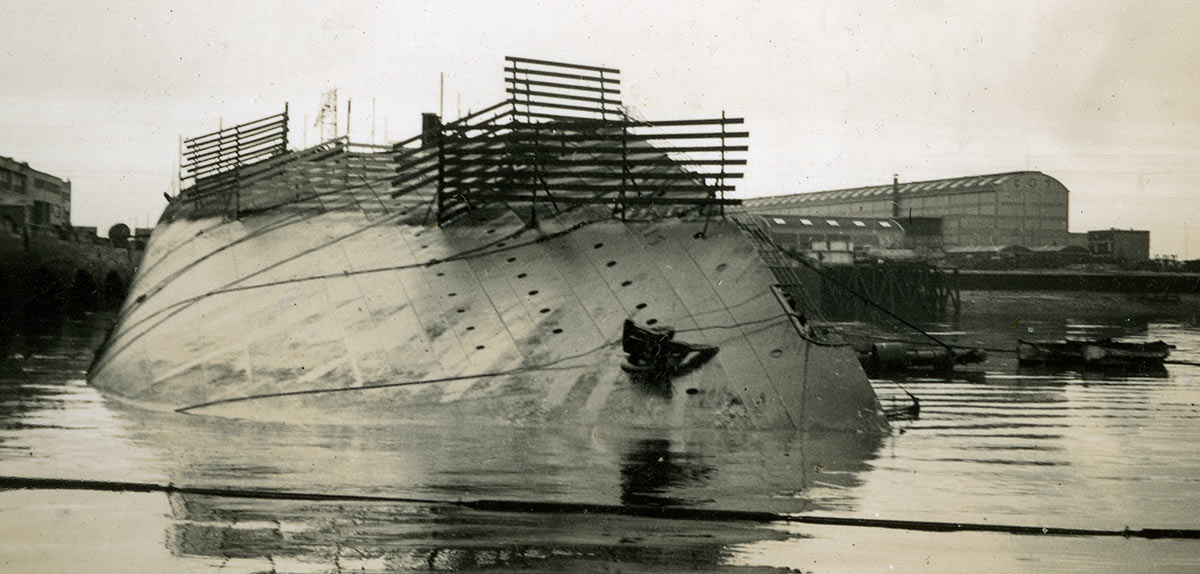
point(53, 425)
point(714, 470)
point(650, 470)
point(385, 536)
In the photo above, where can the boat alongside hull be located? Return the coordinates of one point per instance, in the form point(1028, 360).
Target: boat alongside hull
point(347, 315)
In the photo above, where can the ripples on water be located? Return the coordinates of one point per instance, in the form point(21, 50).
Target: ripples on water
point(996, 445)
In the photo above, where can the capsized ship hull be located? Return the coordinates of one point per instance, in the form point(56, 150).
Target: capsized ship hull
point(486, 275)
point(526, 330)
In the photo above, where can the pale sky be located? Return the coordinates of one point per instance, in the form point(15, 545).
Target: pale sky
point(1101, 95)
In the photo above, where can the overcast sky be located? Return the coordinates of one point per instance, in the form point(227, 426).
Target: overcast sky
point(1104, 96)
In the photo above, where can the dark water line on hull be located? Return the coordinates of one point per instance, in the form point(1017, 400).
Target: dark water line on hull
point(539, 507)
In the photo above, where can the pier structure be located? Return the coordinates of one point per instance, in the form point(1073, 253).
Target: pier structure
point(1131, 282)
point(841, 267)
point(913, 290)
point(45, 263)
point(49, 269)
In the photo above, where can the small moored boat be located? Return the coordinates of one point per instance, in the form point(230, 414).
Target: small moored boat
point(1099, 353)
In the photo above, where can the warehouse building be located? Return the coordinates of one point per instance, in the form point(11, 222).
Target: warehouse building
point(1027, 209)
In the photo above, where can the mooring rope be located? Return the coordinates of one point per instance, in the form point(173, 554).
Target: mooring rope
point(765, 236)
point(580, 508)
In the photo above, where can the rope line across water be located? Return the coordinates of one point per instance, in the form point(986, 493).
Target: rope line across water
point(547, 507)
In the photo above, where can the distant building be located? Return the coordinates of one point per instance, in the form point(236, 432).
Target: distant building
point(1123, 244)
point(32, 197)
point(835, 240)
point(1027, 209)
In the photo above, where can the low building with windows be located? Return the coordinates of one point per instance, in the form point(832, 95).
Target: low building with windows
point(1122, 244)
point(32, 197)
point(835, 240)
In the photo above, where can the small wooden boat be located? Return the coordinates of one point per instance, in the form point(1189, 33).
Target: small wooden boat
point(1098, 353)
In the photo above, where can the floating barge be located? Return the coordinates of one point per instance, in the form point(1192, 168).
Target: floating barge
point(1095, 354)
point(548, 260)
point(881, 358)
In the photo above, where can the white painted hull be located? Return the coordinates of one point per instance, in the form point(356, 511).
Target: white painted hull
point(353, 315)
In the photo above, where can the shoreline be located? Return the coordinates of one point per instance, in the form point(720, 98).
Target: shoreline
point(1080, 303)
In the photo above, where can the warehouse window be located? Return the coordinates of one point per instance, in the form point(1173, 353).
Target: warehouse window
point(46, 185)
point(832, 222)
point(779, 221)
point(12, 180)
point(805, 222)
point(858, 223)
point(885, 224)
point(41, 213)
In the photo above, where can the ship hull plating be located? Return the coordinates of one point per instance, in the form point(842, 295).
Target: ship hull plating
point(340, 315)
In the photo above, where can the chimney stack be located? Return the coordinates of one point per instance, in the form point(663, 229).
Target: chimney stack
point(431, 128)
point(895, 196)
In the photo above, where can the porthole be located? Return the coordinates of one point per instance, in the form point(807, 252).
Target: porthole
point(544, 311)
point(598, 246)
point(491, 231)
point(626, 283)
point(452, 295)
point(722, 267)
point(611, 264)
point(511, 259)
point(461, 311)
point(652, 322)
point(478, 347)
point(534, 292)
point(522, 275)
point(641, 305)
point(470, 327)
point(776, 353)
point(692, 391)
point(440, 274)
point(556, 331)
point(501, 244)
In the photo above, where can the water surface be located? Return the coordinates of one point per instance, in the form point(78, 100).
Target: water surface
point(997, 445)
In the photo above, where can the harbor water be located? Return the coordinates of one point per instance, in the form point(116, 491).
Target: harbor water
point(993, 445)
